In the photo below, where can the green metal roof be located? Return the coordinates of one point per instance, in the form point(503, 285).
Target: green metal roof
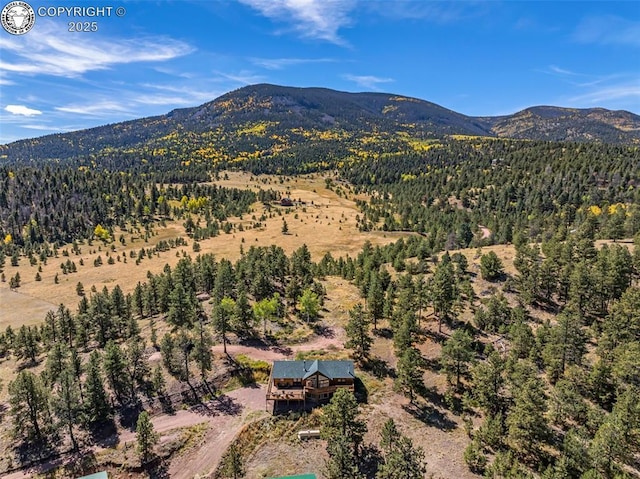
point(305, 369)
point(97, 475)
point(300, 476)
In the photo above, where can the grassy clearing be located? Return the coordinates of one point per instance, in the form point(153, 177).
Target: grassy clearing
point(326, 223)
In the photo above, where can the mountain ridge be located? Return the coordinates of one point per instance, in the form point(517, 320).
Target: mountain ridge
point(323, 109)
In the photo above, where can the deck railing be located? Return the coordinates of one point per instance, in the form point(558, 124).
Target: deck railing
point(275, 393)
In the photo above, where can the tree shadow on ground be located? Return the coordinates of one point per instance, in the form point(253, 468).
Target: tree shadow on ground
point(79, 464)
point(379, 368)
point(104, 434)
point(128, 416)
point(360, 391)
point(432, 364)
point(219, 405)
point(257, 343)
point(285, 350)
point(432, 396)
point(383, 333)
point(166, 404)
point(370, 460)
point(323, 330)
point(430, 416)
point(37, 457)
point(435, 336)
point(158, 469)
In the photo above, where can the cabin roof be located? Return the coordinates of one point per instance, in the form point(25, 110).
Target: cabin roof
point(97, 475)
point(304, 369)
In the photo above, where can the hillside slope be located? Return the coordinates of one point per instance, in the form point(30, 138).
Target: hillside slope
point(273, 118)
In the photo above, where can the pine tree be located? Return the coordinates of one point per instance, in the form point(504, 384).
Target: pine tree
point(201, 353)
point(405, 332)
point(146, 437)
point(389, 436)
point(243, 318)
point(340, 421)
point(410, 370)
point(443, 291)
point(491, 267)
point(488, 383)
point(375, 300)
point(55, 364)
point(115, 369)
point(137, 368)
point(97, 408)
point(182, 307)
point(222, 316)
point(66, 404)
point(526, 423)
point(618, 438)
point(389, 299)
point(357, 330)
point(567, 344)
point(158, 381)
point(457, 353)
point(403, 461)
point(342, 462)
point(29, 400)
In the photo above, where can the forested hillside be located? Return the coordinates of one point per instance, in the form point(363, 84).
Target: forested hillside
point(263, 121)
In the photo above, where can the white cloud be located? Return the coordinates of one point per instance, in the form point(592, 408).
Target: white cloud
point(438, 12)
point(98, 108)
point(367, 81)
point(319, 19)
point(608, 30)
point(280, 63)
point(41, 127)
point(561, 71)
point(22, 110)
point(615, 91)
point(45, 51)
point(175, 95)
point(629, 92)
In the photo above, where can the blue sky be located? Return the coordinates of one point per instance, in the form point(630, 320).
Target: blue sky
point(478, 58)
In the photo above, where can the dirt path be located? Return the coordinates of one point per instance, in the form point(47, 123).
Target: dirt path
point(201, 461)
point(224, 417)
point(333, 337)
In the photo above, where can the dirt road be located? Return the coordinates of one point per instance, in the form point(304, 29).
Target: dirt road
point(333, 337)
point(201, 461)
point(224, 416)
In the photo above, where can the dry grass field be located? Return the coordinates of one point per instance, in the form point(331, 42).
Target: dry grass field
point(327, 223)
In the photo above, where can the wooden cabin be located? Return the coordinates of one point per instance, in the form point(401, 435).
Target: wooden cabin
point(301, 381)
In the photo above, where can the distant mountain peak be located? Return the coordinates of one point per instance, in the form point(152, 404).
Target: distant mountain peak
point(290, 109)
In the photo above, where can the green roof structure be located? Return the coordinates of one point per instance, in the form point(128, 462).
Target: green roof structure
point(300, 476)
point(97, 475)
point(305, 369)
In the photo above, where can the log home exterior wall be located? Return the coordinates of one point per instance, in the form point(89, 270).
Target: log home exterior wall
point(314, 381)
